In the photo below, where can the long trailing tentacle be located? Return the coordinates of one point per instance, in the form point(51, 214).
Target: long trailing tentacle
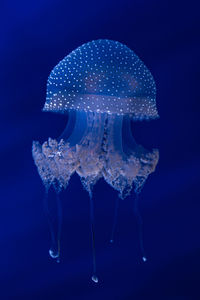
point(59, 213)
point(94, 276)
point(115, 219)
point(50, 221)
point(140, 225)
point(55, 224)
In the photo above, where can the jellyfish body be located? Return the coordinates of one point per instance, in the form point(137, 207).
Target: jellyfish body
point(103, 86)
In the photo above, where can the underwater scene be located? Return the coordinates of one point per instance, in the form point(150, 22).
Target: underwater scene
point(100, 150)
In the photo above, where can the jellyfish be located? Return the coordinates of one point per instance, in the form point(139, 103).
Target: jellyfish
point(102, 86)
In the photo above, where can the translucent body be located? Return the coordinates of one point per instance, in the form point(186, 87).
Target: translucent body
point(103, 86)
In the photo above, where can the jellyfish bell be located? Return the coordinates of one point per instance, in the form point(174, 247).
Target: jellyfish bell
point(103, 86)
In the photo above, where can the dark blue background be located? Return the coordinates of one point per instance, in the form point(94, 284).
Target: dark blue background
point(35, 35)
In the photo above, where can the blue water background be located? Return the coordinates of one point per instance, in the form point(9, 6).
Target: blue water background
point(35, 36)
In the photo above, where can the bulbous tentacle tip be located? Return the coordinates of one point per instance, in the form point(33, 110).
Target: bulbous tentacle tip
point(144, 258)
point(54, 254)
point(111, 241)
point(95, 278)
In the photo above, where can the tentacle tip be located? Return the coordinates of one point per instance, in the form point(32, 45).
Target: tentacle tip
point(95, 278)
point(111, 241)
point(53, 254)
point(144, 258)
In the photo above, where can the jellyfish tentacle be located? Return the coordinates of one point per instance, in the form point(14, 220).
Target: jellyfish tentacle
point(50, 222)
point(140, 225)
point(115, 219)
point(80, 127)
point(94, 276)
point(55, 224)
point(59, 212)
point(70, 125)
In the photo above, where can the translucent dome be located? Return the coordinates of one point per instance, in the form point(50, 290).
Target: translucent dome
point(102, 76)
